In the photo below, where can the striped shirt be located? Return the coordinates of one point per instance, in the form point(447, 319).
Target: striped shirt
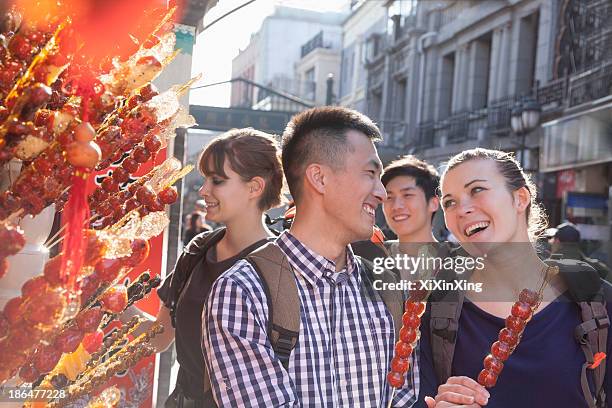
point(344, 348)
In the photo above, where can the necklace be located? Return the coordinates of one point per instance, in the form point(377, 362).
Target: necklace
point(510, 336)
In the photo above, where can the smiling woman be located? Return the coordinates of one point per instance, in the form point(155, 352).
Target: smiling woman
point(242, 179)
point(525, 317)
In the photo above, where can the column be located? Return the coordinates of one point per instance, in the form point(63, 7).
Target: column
point(494, 68)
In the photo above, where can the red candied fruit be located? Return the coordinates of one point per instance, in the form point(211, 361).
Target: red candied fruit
point(108, 269)
point(130, 165)
point(12, 240)
point(411, 320)
point(501, 350)
point(528, 296)
point(12, 310)
point(399, 365)
point(493, 364)
point(402, 349)
point(408, 334)
point(110, 185)
point(487, 378)
point(46, 358)
point(522, 310)
point(29, 373)
point(169, 195)
point(509, 337)
point(516, 324)
point(34, 287)
point(115, 299)
point(68, 340)
point(93, 341)
point(414, 307)
point(396, 380)
point(52, 271)
point(4, 266)
point(152, 143)
point(89, 320)
point(145, 195)
point(140, 252)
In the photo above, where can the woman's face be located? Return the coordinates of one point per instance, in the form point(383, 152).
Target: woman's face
point(479, 208)
point(226, 197)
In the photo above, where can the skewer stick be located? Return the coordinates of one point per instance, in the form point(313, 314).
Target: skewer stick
point(391, 399)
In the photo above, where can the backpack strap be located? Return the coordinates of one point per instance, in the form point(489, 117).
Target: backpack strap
point(443, 326)
point(278, 281)
point(445, 310)
point(588, 291)
point(192, 254)
point(592, 336)
point(393, 299)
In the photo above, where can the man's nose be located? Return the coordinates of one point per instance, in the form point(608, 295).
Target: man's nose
point(379, 191)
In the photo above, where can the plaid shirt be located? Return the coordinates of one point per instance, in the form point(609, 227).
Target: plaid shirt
point(344, 348)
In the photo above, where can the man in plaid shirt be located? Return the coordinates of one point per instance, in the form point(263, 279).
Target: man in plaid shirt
point(346, 339)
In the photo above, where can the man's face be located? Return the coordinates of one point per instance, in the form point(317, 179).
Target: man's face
point(406, 208)
point(353, 191)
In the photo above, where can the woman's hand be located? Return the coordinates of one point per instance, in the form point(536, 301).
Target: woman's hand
point(459, 392)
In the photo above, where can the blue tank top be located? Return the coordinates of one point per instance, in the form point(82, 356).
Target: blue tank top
point(543, 371)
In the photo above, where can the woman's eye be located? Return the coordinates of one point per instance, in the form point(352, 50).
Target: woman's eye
point(216, 181)
point(448, 203)
point(477, 189)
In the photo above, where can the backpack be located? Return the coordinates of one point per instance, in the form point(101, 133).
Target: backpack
point(278, 281)
point(277, 276)
point(586, 289)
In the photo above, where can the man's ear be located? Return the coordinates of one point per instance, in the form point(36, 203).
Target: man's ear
point(256, 186)
point(433, 204)
point(522, 198)
point(316, 177)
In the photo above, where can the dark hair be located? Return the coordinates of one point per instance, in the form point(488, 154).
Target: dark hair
point(318, 135)
point(251, 153)
point(515, 177)
point(424, 174)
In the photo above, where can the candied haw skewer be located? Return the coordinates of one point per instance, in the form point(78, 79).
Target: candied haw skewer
point(408, 338)
point(510, 336)
point(12, 241)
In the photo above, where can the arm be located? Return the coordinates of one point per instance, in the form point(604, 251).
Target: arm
point(162, 341)
point(243, 369)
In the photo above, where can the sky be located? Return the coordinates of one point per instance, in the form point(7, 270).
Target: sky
point(216, 47)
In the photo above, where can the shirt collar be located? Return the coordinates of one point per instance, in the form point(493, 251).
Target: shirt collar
point(312, 265)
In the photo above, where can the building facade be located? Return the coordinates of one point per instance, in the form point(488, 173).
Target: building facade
point(445, 75)
point(271, 57)
point(319, 67)
point(367, 19)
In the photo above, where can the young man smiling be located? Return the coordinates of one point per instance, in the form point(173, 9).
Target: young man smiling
point(411, 203)
point(346, 339)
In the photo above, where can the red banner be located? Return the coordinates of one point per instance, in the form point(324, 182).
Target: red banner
point(566, 181)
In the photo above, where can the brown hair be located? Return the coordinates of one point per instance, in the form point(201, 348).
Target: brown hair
point(425, 175)
point(251, 153)
point(318, 135)
point(515, 177)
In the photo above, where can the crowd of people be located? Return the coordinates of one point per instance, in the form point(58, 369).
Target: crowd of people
point(293, 320)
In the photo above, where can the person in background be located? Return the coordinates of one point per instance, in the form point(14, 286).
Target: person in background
point(243, 178)
point(565, 241)
point(196, 225)
point(409, 209)
point(411, 202)
point(345, 343)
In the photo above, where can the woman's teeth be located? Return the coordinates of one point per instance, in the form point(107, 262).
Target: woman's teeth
point(474, 228)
